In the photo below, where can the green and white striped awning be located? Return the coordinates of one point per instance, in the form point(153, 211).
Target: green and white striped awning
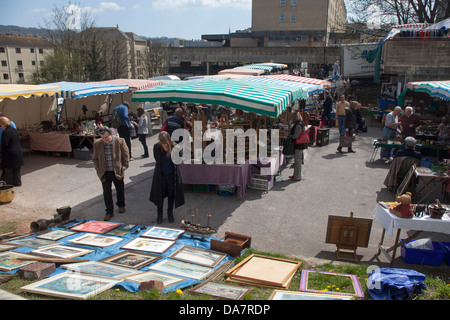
point(439, 89)
point(260, 98)
point(266, 68)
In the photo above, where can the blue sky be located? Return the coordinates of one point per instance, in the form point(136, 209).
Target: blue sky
point(187, 19)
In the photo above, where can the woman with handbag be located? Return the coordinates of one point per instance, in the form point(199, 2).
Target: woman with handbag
point(350, 128)
point(301, 137)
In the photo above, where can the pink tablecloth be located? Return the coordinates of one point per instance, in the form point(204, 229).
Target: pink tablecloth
point(53, 142)
point(239, 175)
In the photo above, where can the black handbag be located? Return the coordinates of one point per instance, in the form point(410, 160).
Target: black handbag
point(288, 147)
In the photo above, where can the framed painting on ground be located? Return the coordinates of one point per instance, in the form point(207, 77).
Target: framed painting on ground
point(149, 245)
point(55, 234)
point(182, 269)
point(121, 231)
point(203, 257)
point(166, 279)
point(60, 251)
point(96, 226)
point(6, 247)
point(221, 290)
point(135, 260)
point(163, 233)
point(71, 285)
point(96, 240)
point(9, 260)
point(339, 283)
point(296, 295)
point(101, 269)
point(33, 242)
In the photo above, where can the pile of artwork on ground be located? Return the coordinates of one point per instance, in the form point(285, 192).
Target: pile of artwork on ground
point(78, 259)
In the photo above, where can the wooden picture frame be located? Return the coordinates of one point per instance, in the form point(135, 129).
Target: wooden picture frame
point(33, 242)
point(96, 240)
point(335, 223)
point(100, 227)
point(298, 295)
point(101, 269)
point(167, 279)
point(406, 180)
point(358, 292)
point(71, 285)
point(55, 234)
point(61, 251)
point(182, 269)
point(130, 259)
point(9, 260)
point(220, 291)
point(6, 247)
point(264, 271)
point(121, 231)
point(200, 256)
point(148, 245)
point(162, 233)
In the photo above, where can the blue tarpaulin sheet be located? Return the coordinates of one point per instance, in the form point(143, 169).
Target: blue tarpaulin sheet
point(102, 253)
point(395, 283)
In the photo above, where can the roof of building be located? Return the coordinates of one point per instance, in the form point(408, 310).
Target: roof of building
point(24, 41)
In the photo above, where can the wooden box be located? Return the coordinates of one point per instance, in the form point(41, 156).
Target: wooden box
point(232, 244)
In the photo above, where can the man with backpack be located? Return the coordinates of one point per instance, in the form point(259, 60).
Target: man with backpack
point(125, 124)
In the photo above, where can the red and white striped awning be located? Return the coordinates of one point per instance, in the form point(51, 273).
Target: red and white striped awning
point(411, 26)
point(134, 84)
point(288, 77)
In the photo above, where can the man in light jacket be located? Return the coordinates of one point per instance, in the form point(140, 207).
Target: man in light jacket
point(111, 158)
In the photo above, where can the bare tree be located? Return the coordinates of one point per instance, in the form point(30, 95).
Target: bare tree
point(156, 59)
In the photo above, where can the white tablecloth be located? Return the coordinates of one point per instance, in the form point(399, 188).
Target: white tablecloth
point(391, 222)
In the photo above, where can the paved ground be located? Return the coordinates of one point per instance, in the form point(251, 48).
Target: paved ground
point(290, 219)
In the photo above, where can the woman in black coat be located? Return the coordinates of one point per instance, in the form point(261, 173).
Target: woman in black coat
point(166, 178)
point(12, 159)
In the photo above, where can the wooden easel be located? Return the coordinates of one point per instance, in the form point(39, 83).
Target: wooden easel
point(348, 240)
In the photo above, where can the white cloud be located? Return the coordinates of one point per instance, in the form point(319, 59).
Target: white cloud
point(200, 4)
point(105, 6)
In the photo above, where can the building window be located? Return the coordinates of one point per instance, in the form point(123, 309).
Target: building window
point(19, 64)
point(2, 49)
point(317, 38)
point(33, 63)
point(4, 64)
point(282, 17)
point(293, 17)
point(41, 51)
point(31, 50)
point(5, 76)
point(293, 3)
point(21, 75)
point(18, 50)
point(282, 3)
point(42, 63)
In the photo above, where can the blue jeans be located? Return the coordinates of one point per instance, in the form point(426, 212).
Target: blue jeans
point(387, 134)
point(341, 120)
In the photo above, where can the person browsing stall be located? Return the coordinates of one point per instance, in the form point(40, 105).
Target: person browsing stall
point(409, 151)
point(11, 157)
point(341, 106)
point(296, 130)
point(391, 123)
point(166, 178)
point(124, 130)
point(409, 122)
point(111, 158)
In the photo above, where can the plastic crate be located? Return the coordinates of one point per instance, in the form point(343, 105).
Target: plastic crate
point(261, 182)
point(423, 256)
point(82, 154)
point(202, 188)
point(446, 246)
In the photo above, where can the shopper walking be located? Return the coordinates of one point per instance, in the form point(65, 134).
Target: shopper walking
point(350, 125)
point(142, 129)
point(124, 130)
point(296, 131)
point(12, 159)
point(341, 106)
point(111, 159)
point(327, 108)
point(166, 178)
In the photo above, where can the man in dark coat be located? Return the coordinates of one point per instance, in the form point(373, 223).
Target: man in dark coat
point(327, 108)
point(12, 158)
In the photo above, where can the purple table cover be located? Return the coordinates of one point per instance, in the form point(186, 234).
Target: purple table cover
point(239, 175)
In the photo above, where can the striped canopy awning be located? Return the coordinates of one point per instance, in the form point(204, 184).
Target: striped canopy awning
point(260, 98)
point(264, 67)
point(288, 77)
point(134, 84)
point(302, 90)
point(248, 72)
point(13, 91)
point(439, 89)
point(73, 90)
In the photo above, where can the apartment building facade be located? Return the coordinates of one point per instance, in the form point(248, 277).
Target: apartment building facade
point(20, 56)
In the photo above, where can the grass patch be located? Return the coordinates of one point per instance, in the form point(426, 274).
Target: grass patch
point(437, 288)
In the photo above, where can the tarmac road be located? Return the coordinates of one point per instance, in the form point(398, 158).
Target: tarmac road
point(290, 219)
